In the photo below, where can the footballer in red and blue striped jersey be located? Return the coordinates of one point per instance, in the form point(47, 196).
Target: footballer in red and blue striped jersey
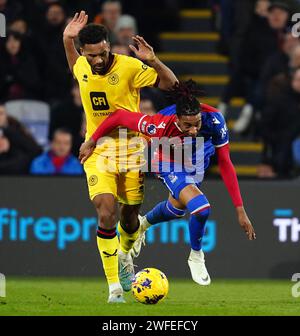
point(187, 119)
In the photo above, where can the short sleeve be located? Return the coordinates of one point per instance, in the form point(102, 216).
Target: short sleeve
point(77, 67)
point(144, 75)
point(220, 136)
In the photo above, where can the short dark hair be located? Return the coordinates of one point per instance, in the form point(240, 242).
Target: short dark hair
point(92, 34)
point(185, 96)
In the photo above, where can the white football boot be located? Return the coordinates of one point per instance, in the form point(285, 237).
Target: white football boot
point(198, 270)
point(116, 294)
point(141, 239)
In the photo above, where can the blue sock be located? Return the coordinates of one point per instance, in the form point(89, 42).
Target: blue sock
point(162, 212)
point(200, 210)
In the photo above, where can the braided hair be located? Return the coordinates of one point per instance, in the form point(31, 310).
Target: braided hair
point(184, 95)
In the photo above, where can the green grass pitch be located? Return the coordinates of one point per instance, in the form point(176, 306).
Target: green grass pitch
point(55, 296)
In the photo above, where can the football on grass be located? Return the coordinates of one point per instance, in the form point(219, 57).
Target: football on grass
point(150, 286)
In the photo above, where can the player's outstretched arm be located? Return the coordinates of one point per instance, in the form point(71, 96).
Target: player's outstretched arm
point(145, 52)
point(118, 118)
point(231, 182)
point(71, 31)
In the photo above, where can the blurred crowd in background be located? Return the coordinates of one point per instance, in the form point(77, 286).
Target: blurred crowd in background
point(256, 35)
point(264, 69)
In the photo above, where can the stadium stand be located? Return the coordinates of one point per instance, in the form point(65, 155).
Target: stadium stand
point(192, 53)
point(196, 42)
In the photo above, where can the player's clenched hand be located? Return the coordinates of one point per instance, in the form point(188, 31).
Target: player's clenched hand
point(75, 25)
point(142, 50)
point(245, 223)
point(86, 150)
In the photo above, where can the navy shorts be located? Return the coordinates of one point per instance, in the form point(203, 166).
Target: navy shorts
point(176, 181)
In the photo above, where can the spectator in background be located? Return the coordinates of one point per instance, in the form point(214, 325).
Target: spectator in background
point(281, 62)
point(281, 74)
point(69, 114)
point(280, 127)
point(11, 9)
point(110, 13)
point(34, 12)
point(147, 106)
point(17, 146)
point(241, 28)
point(19, 25)
point(232, 19)
point(264, 37)
point(278, 82)
point(259, 46)
point(56, 73)
point(19, 75)
point(58, 160)
point(295, 58)
point(125, 29)
point(120, 49)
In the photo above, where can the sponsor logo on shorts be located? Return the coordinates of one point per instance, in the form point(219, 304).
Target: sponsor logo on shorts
point(93, 180)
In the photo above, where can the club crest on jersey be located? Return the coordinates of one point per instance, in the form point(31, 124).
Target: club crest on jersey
point(113, 79)
point(85, 78)
point(151, 129)
point(144, 67)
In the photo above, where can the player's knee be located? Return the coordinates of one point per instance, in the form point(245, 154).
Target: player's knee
point(173, 211)
point(199, 206)
point(106, 211)
point(130, 221)
point(129, 216)
point(107, 218)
